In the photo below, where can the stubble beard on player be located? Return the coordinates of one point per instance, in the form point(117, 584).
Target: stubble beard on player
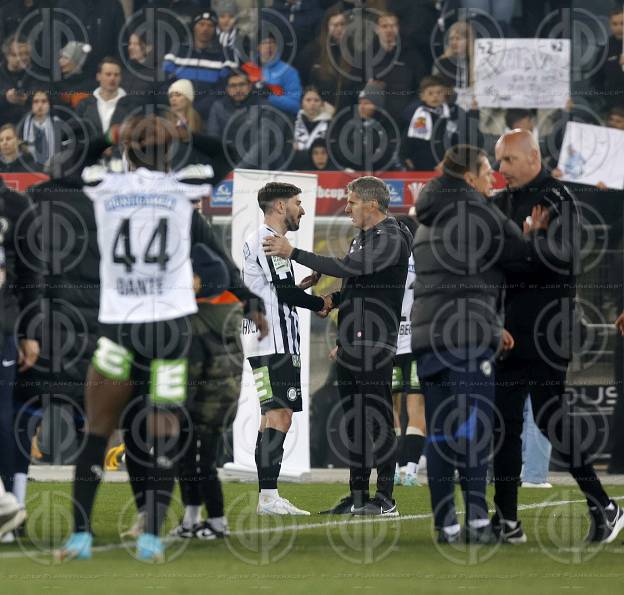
point(292, 224)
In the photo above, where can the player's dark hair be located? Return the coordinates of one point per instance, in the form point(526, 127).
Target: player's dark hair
point(515, 114)
point(148, 141)
point(461, 159)
point(615, 10)
point(272, 191)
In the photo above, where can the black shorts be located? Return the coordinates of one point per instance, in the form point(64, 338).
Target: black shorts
point(405, 374)
point(278, 381)
point(153, 355)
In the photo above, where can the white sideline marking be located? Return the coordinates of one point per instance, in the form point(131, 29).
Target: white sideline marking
point(303, 527)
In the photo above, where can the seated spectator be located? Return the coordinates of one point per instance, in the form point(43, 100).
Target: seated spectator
point(140, 77)
point(303, 17)
point(14, 157)
point(240, 120)
point(455, 64)
point(101, 22)
point(615, 118)
point(74, 85)
point(610, 77)
point(238, 96)
point(365, 139)
point(323, 64)
point(204, 64)
point(227, 28)
point(109, 103)
point(15, 80)
point(274, 78)
point(41, 130)
point(317, 158)
point(421, 148)
point(181, 96)
point(312, 119)
point(397, 67)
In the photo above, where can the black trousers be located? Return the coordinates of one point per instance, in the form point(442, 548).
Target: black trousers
point(367, 430)
point(554, 415)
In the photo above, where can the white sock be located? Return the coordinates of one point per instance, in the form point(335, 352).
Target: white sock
point(192, 515)
point(397, 469)
point(452, 529)
point(19, 487)
point(478, 523)
point(269, 493)
point(219, 522)
point(412, 468)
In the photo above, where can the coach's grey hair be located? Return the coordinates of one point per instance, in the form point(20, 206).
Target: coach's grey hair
point(370, 188)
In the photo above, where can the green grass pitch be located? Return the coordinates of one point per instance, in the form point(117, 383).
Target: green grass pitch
point(314, 555)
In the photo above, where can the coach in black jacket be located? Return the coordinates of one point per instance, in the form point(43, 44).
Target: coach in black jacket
point(22, 302)
point(540, 315)
point(369, 311)
point(462, 248)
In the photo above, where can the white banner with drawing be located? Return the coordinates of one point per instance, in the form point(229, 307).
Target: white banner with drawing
point(522, 73)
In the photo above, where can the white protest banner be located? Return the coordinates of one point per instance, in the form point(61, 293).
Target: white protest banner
point(524, 73)
point(246, 219)
point(592, 154)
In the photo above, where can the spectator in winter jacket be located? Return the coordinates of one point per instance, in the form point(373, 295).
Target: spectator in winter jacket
point(204, 64)
point(275, 79)
point(227, 27)
point(41, 130)
point(610, 78)
point(14, 157)
point(15, 80)
point(241, 121)
point(323, 64)
point(73, 85)
point(109, 104)
point(427, 119)
point(455, 64)
point(181, 96)
point(365, 138)
point(312, 119)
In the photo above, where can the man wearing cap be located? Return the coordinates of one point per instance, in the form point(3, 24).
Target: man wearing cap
point(204, 63)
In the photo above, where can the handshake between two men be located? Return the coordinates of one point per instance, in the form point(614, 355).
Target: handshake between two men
point(280, 246)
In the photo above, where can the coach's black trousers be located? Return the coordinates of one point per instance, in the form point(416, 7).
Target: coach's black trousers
point(554, 415)
point(367, 431)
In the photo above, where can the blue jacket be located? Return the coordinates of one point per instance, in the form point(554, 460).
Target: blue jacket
point(284, 75)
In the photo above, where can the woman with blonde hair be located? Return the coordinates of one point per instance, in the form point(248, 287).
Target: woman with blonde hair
point(181, 96)
point(456, 63)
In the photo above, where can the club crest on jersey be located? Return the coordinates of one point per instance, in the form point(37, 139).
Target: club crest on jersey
point(292, 394)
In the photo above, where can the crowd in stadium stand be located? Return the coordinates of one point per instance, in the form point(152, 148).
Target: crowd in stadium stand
point(301, 84)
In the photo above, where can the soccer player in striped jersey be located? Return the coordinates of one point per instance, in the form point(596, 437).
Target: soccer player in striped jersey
point(405, 382)
point(275, 359)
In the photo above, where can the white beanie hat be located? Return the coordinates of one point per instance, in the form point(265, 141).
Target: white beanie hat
point(183, 87)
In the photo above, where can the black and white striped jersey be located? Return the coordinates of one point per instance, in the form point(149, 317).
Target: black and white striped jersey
point(262, 274)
